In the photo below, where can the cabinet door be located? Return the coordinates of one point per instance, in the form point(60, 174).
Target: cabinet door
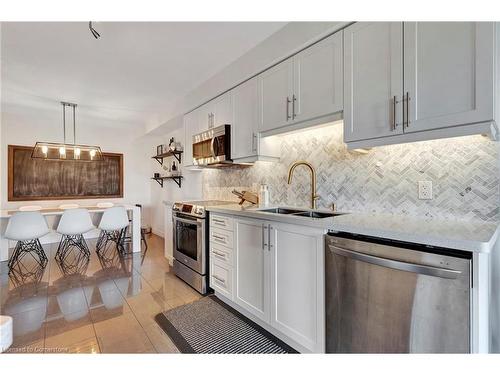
point(222, 110)
point(448, 73)
point(205, 116)
point(190, 128)
point(276, 96)
point(373, 77)
point(246, 117)
point(298, 283)
point(252, 276)
point(318, 80)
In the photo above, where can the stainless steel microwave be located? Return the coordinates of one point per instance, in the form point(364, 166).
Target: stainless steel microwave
point(213, 147)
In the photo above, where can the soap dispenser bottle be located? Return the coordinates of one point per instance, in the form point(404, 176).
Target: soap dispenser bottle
point(263, 196)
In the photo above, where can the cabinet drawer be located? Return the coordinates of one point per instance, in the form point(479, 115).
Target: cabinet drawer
point(221, 278)
point(221, 237)
point(223, 222)
point(222, 254)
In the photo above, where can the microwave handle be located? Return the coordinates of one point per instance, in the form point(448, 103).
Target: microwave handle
point(212, 146)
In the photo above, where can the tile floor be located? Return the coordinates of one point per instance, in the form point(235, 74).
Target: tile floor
point(104, 305)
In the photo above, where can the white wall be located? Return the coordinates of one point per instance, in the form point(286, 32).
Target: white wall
point(24, 126)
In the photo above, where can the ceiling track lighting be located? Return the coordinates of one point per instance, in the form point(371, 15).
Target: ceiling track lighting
point(94, 31)
point(67, 151)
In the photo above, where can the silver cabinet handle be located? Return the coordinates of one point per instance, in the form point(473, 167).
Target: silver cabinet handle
point(407, 109)
point(218, 237)
point(264, 244)
point(254, 142)
point(218, 221)
point(294, 99)
point(394, 101)
point(269, 237)
point(217, 278)
point(396, 264)
point(287, 108)
point(220, 255)
point(209, 122)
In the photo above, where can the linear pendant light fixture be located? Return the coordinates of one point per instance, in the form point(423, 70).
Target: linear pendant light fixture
point(67, 151)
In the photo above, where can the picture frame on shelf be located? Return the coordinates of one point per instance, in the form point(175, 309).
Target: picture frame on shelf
point(159, 149)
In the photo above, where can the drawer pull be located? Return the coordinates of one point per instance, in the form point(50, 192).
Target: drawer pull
point(222, 281)
point(219, 238)
point(221, 255)
point(219, 221)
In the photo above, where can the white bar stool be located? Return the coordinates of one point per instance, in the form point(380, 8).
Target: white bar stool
point(74, 223)
point(26, 228)
point(113, 223)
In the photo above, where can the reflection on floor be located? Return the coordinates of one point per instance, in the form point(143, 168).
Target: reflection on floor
point(103, 304)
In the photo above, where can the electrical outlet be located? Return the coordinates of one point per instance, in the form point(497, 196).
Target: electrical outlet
point(425, 190)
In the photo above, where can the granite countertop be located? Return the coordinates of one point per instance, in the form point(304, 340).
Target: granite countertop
point(474, 236)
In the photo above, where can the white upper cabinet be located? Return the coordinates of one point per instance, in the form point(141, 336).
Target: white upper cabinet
point(244, 129)
point(318, 80)
point(252, 270)
point(304, 88)
point(373, 78)
point(434, 80)
point(276, 90)
point(191, 127)
point(222, 110)
point(448, 74)
point(205, 116)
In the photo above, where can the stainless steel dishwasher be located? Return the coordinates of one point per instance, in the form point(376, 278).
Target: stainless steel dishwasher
point(390, 297)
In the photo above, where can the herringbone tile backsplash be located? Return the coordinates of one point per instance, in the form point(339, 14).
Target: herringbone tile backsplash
point(464, 172)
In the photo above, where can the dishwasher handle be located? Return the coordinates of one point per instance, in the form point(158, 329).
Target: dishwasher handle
point(396, 264)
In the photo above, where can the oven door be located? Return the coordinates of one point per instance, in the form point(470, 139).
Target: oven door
point(189, 242)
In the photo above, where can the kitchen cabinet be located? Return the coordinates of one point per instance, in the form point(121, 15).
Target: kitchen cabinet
point(246, 143)
point(417, 80)
point(448, 74)
point(318, 80)
point(297, 284)
point(279, 278)
point(191, 127)
point(216, 112)
point(276, 90)
point(373, 60)
point(306, 87)
point(252, 267)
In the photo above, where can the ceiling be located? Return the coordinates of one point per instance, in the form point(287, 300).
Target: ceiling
point(128, 77)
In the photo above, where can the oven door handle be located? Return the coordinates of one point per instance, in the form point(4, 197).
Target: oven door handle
point(195, 222)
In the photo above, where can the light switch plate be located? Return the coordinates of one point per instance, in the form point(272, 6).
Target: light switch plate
point(425, 190)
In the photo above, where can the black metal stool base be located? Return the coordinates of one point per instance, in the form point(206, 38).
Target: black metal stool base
point(69, 242)
point(32, 247)
point(107, 237)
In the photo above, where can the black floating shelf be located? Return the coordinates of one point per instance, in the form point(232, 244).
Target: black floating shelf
point(176, 179)
point(175, 154)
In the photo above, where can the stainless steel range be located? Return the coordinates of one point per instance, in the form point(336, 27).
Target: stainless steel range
point(190, 240)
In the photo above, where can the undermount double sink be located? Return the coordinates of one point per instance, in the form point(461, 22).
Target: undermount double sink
point(302, 213)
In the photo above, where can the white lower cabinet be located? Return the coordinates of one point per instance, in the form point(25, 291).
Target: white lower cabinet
point(279, 278)
point(297, 283)
point(252, 267)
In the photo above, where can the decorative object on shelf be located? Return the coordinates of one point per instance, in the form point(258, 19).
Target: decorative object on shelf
point(67, 151)
point(246, 196)
point(158, 150)
point(176, 179)
point(174, 166)
point(171, 144)
point(178, 146)
point(156, 175)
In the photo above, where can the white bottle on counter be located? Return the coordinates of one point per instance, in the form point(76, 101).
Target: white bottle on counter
point(263, 196)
